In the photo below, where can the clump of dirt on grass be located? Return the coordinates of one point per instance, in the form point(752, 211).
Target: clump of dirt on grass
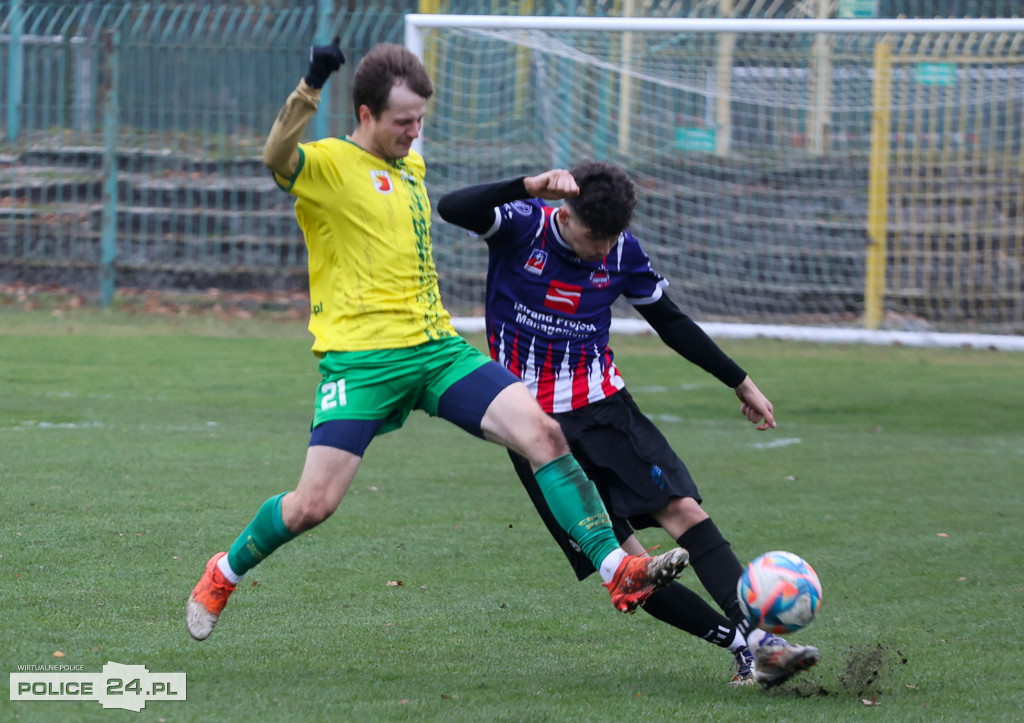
point(862, 676)
point(864, 668)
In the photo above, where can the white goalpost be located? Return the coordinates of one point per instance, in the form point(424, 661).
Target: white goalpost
point(822, 180)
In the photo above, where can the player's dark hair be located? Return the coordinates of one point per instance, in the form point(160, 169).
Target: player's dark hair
point(381, 69)
point(607, 198)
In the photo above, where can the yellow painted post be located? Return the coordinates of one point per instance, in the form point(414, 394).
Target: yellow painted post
point(724, 46)
point(819, 82)
point(430, 7)
point(526, 7)
point(878, 186)
point(626, 83)
point(959, 157)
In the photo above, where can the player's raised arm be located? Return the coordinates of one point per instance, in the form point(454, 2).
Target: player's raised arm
point(281, 154)
point(473, 207)
point(553, 185)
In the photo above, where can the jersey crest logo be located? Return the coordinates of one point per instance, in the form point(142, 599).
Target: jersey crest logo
point(381, 181)
point(521, 207)
point(563, 297)
point(600, 278)
point(535, 264)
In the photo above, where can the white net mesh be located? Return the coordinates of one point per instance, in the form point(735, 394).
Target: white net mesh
point(757, 162)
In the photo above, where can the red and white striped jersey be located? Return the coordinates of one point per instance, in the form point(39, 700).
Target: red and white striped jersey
point(549, 312)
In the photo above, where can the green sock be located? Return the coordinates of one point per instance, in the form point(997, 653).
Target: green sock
point(265, 533)
point(577, 506)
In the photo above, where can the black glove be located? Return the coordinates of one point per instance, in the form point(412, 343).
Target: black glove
point(323, 60)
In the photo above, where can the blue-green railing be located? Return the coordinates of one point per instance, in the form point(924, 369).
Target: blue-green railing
point(130, 152)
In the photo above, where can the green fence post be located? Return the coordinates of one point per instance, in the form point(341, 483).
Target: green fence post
point(108, 229)
point(14, 73)
point(324, 23)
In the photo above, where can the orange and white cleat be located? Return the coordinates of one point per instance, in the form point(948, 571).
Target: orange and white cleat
point(638, 576)
point(207, 600)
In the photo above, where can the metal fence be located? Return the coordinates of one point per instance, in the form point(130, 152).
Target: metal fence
point(132, 133)
point(133, 136)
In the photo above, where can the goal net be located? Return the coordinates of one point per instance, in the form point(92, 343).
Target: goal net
point(833, 173)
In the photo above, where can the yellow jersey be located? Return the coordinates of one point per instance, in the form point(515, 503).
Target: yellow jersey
point(366, 221)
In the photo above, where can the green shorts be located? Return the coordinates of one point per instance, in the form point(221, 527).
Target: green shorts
point(387, 384)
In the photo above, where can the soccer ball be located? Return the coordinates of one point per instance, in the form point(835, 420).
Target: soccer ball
point(779, 592)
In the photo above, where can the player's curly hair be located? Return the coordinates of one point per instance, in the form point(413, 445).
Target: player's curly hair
point(607, 198)
point(384, 67)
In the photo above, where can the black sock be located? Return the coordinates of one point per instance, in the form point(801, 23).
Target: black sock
point(680, 606)
point(717, 567)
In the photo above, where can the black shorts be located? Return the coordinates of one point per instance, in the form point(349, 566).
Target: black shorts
point(629, 461)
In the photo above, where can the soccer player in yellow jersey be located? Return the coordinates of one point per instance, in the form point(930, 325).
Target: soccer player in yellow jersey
point(385, 342)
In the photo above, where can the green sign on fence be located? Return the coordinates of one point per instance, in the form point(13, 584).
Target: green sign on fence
point(935, 73)
point(696, 140)
point(855, 9)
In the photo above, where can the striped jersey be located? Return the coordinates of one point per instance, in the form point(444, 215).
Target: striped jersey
point(366, 221)
point(549, 312)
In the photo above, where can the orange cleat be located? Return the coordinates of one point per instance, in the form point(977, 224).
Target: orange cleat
point(207, 600)
point(638, 576)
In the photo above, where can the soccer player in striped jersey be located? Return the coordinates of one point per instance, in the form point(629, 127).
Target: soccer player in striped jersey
point(552, 277)
point(384, 341)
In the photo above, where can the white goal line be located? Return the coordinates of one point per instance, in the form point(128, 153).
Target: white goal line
point(814, 334)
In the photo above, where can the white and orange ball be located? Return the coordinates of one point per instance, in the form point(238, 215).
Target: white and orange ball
point(779, 592)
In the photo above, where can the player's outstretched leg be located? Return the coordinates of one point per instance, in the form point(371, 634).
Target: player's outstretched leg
point(638, 576)
point(207, 600)
point(776, 661)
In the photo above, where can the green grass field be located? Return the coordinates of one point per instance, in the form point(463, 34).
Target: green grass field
point(133, 447)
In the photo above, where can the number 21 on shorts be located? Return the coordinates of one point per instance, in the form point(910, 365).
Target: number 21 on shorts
point(332, 394)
